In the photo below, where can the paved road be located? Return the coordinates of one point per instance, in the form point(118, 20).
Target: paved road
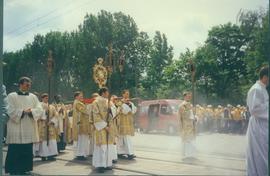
point(218, 154)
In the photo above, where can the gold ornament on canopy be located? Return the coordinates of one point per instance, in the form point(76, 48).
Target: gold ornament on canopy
point(100, 73)
point(121, 61)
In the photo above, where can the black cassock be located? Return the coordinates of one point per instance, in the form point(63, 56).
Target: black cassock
point(19, 158)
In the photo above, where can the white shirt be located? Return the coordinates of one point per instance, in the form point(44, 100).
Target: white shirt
point(126, 108)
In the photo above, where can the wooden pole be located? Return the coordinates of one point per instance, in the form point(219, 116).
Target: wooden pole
point(50, 65)
point(110, 70)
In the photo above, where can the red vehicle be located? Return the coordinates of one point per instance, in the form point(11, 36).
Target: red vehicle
point(158, 115)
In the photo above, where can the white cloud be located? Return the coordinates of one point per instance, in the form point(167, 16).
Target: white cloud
point(185, 22)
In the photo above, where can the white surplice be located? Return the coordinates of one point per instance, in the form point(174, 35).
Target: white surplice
point(22, 130)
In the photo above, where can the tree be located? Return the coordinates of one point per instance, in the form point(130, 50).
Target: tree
point(177, 76)
point(226, 41)
point(226, 63)
point(255, 26)
point(75, 54)
point(161, 55)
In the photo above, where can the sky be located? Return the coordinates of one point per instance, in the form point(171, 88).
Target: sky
point(185, 22)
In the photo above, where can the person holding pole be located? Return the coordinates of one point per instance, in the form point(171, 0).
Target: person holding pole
point(126, 131)
point(48, 146)
point(187, 127)
point(62, 122)
point(81, 127)
point(104, 132)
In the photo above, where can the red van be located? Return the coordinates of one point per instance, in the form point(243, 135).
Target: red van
point(158, 115)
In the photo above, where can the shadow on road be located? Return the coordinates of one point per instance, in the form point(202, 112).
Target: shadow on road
point(109, 172)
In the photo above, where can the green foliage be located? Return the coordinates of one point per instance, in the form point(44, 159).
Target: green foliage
point(226, 63)
point(160, 56)
point(76, 53)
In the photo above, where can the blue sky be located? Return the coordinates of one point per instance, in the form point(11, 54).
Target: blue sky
point(185, 22)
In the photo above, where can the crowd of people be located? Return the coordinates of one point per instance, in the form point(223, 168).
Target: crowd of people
point(220, 119)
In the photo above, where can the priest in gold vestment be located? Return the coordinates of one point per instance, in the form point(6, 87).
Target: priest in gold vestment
point(104, 132)
point(48, 147)
point(80, 127)
point(126, 129)
point(187, 127)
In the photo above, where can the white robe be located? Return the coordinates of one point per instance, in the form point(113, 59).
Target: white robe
point(124, 145)
point(115, 112)
point(189, 149)
point(48, 150)
point(91, 145)
point(257, 133)
point(103, 157)
point(22, 130)
point(36, 149)
point(82, 145)
point(114, 152)
point(103, 154)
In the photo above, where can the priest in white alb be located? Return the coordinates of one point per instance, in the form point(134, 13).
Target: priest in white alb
point(257, 133)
